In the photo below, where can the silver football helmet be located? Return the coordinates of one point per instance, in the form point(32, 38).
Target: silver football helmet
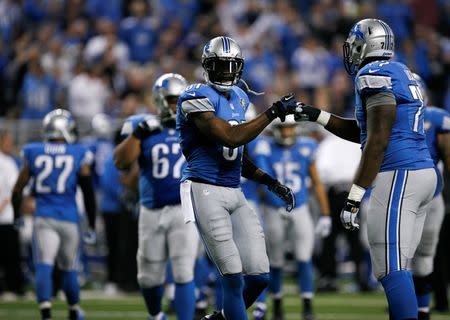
point(223, 63)
point(59, 124)
point(101, 125)
point(368, 38)
point(167, 86)
point(277, 126)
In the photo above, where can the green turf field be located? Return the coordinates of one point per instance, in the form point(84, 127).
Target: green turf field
point(327, 306)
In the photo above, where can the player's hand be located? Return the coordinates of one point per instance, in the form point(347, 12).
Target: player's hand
point(304, 112)
point(349, 215)
point(286, 105)
point(323, 226)
point(146, 128)
point(284, 193)
point(90, 237)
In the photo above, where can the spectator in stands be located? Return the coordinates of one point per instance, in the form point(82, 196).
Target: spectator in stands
point(139, 31)
point(9, 237)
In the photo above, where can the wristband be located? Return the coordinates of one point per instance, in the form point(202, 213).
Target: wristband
point(356, 193)
point(323, 118)
point(271, 113)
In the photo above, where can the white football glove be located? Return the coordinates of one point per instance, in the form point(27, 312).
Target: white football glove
point(89, 237)
point(323, 226)
point(349, 215)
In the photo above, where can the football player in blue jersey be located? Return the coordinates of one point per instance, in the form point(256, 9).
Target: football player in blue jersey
point(437, 128)
point(57, 166)
point(292, 160)
point(213, 132)
point(163, 234)
point(395, 161)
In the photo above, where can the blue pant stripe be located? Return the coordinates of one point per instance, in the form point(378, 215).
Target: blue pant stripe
point(393, 221)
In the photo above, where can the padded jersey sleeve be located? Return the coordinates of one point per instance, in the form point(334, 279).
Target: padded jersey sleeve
point(197, 98)
point(374, 78)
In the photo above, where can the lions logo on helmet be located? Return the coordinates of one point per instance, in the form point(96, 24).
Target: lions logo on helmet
point(368, 38)
point(59, 124)
point(167, 89)
point(223, 63)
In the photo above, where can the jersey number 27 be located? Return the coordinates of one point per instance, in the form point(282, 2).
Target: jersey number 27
point(48, 164)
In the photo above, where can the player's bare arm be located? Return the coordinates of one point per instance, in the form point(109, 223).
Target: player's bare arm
point(319, 190)
point(379, 125)
point(22, 180)
point(344, 128)
point(127, 152)
point(87, 187)
point(444, 149)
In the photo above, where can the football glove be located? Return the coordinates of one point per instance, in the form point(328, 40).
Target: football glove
point(89, 237)
point(146, 128)
point(323, 226)
point(284, 193)
point(304, 112)
point(279, 109)
point(349, 215)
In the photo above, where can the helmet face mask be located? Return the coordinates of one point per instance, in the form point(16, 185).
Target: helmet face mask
point(166, 90)
point(369, 38)
point(59, 124)
point(223, 63)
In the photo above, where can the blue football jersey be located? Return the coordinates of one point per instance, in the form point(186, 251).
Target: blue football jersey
point(102, 149)
point(207, 160)
point(407, 147)
point(250, 187)
point(54, 167)
point(160, 165)
point(436, 121)
point(290, 165)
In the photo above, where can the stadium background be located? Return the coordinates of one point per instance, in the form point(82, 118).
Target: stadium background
point(95, 56)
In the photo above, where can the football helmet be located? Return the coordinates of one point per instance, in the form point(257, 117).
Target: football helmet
point(167, 86)
point(59, 124)
point(101, 125)
point(223, 63)
point(368, 38)
point(277, 131)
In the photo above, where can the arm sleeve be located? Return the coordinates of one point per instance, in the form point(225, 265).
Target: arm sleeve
point(369, 84)
point(87, 187)
point(380, 99)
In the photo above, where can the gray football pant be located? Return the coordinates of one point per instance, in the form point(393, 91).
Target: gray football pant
point(230, 229)
point(56, 241)
point(163, 234)
point(396, 215)
point(280, 227)
point(422, 263)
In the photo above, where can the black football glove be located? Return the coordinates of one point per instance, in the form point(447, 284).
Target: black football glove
point(279, 109)
point(284, 193)
point(146, 128)
point(349, 215)
point(304, 112)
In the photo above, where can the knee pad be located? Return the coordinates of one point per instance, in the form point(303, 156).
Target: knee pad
point(150, 274)
point(183, 270)
point(422, 285)
point(422, 265)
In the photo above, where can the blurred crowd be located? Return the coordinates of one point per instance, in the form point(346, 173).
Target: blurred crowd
point(98, 56)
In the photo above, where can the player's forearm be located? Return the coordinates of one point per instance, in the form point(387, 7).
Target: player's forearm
point(252, 172)
point(127, 152)
point(16, 200)
point(344, 128)
point(90, 204)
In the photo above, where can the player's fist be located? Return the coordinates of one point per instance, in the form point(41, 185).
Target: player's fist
point(349, 215)
point(304, 112)
point(286, 105)
point(90, 237)
point(284, 193)
point(323, 226)
point(146, 128)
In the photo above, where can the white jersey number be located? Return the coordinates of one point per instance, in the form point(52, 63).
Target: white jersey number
point(161, 164)
point(47, 163)
point(287, 174)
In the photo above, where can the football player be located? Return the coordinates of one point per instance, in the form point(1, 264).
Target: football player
point(292, 161)
point(437, 128)
point(57, 166)
point(163, 234)
point(210, 121)
point(395, 159)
